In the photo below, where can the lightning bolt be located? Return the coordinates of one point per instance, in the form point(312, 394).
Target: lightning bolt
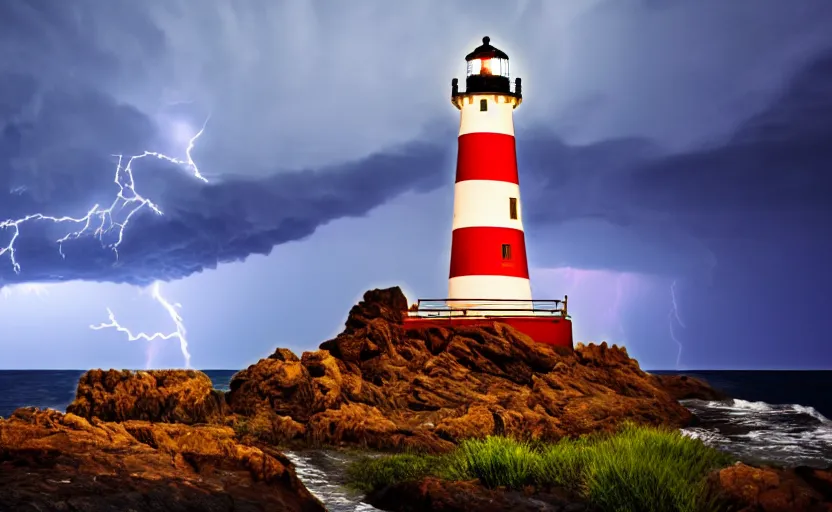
point(171, 309)
point(672, 315)
point(99, 221)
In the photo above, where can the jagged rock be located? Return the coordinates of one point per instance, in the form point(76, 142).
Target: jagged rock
point(51, 461)
point(750, 489)
point(173, 396)
point(284, 354)
point(266, 426)
point(384, 385)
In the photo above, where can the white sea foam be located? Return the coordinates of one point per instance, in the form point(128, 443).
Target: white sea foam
point(783, 434)
point(811, 411)
point(322, 473)
point(738, 406)
point(704, 435)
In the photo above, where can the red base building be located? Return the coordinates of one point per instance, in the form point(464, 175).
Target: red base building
point(546, 322)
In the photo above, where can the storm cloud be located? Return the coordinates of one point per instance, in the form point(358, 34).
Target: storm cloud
point(766, 181)
point(56, 158)
point(672, 141)
point(67, 106)
point(60, 162)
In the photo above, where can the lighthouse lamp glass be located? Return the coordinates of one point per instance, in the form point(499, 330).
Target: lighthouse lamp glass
point(494, 66)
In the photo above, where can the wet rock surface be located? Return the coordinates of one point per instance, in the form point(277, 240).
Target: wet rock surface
point(750, 489)
point(51, 461)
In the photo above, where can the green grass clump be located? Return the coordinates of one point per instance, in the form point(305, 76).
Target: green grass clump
point(639, 469)
point(495, 461)
point(562, 464)
point(368, 473)
point(650, 469)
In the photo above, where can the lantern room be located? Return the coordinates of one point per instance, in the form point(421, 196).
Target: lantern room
point(487, 73)
point(487, 60)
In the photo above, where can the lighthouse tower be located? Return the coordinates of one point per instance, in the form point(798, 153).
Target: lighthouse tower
point(489, 278)
point(488, 247)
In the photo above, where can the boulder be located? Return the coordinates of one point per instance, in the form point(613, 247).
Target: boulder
point(173, 396)
point(752, 489)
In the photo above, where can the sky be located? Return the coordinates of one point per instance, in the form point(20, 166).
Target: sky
point(675, 164)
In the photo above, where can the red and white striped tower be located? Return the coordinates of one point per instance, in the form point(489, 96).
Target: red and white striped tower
point(488, 248)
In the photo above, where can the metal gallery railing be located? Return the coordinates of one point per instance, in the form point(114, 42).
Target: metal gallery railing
point(431, 308)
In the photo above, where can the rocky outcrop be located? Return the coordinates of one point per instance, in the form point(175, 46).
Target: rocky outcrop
point(173, 396)
point(749, 489)
point(683, 387)
point(385, 385)
point(51, 461)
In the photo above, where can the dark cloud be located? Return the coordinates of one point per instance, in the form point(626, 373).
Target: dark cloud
point(59, 130)
point(666, 213)
point(772, 175)
point(777, 161)
point(59, 163)
point(55, 158)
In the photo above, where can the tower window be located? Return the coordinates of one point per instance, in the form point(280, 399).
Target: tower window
point(512, 208)
point(506, 251)
point(483, 105)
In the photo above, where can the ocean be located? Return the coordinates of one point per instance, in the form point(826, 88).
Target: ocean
point(776, 417)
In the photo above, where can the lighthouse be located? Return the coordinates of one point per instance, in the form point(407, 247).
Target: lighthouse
point(488, 246)
point(489, 273)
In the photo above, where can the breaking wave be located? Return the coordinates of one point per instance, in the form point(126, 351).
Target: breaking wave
point(761, 433)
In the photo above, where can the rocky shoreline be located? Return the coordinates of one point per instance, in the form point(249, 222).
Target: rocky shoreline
point(54, 461)
point(166, 440)
point(739, 487)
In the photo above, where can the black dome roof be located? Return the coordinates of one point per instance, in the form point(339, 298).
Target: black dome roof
point(485, 51)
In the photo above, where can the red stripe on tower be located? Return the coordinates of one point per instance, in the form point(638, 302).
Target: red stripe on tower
point(470, 244)
point(487, 156)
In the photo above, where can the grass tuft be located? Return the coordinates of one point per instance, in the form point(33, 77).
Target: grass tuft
point(639, 469)
point(369, 473)
point(495, 461)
